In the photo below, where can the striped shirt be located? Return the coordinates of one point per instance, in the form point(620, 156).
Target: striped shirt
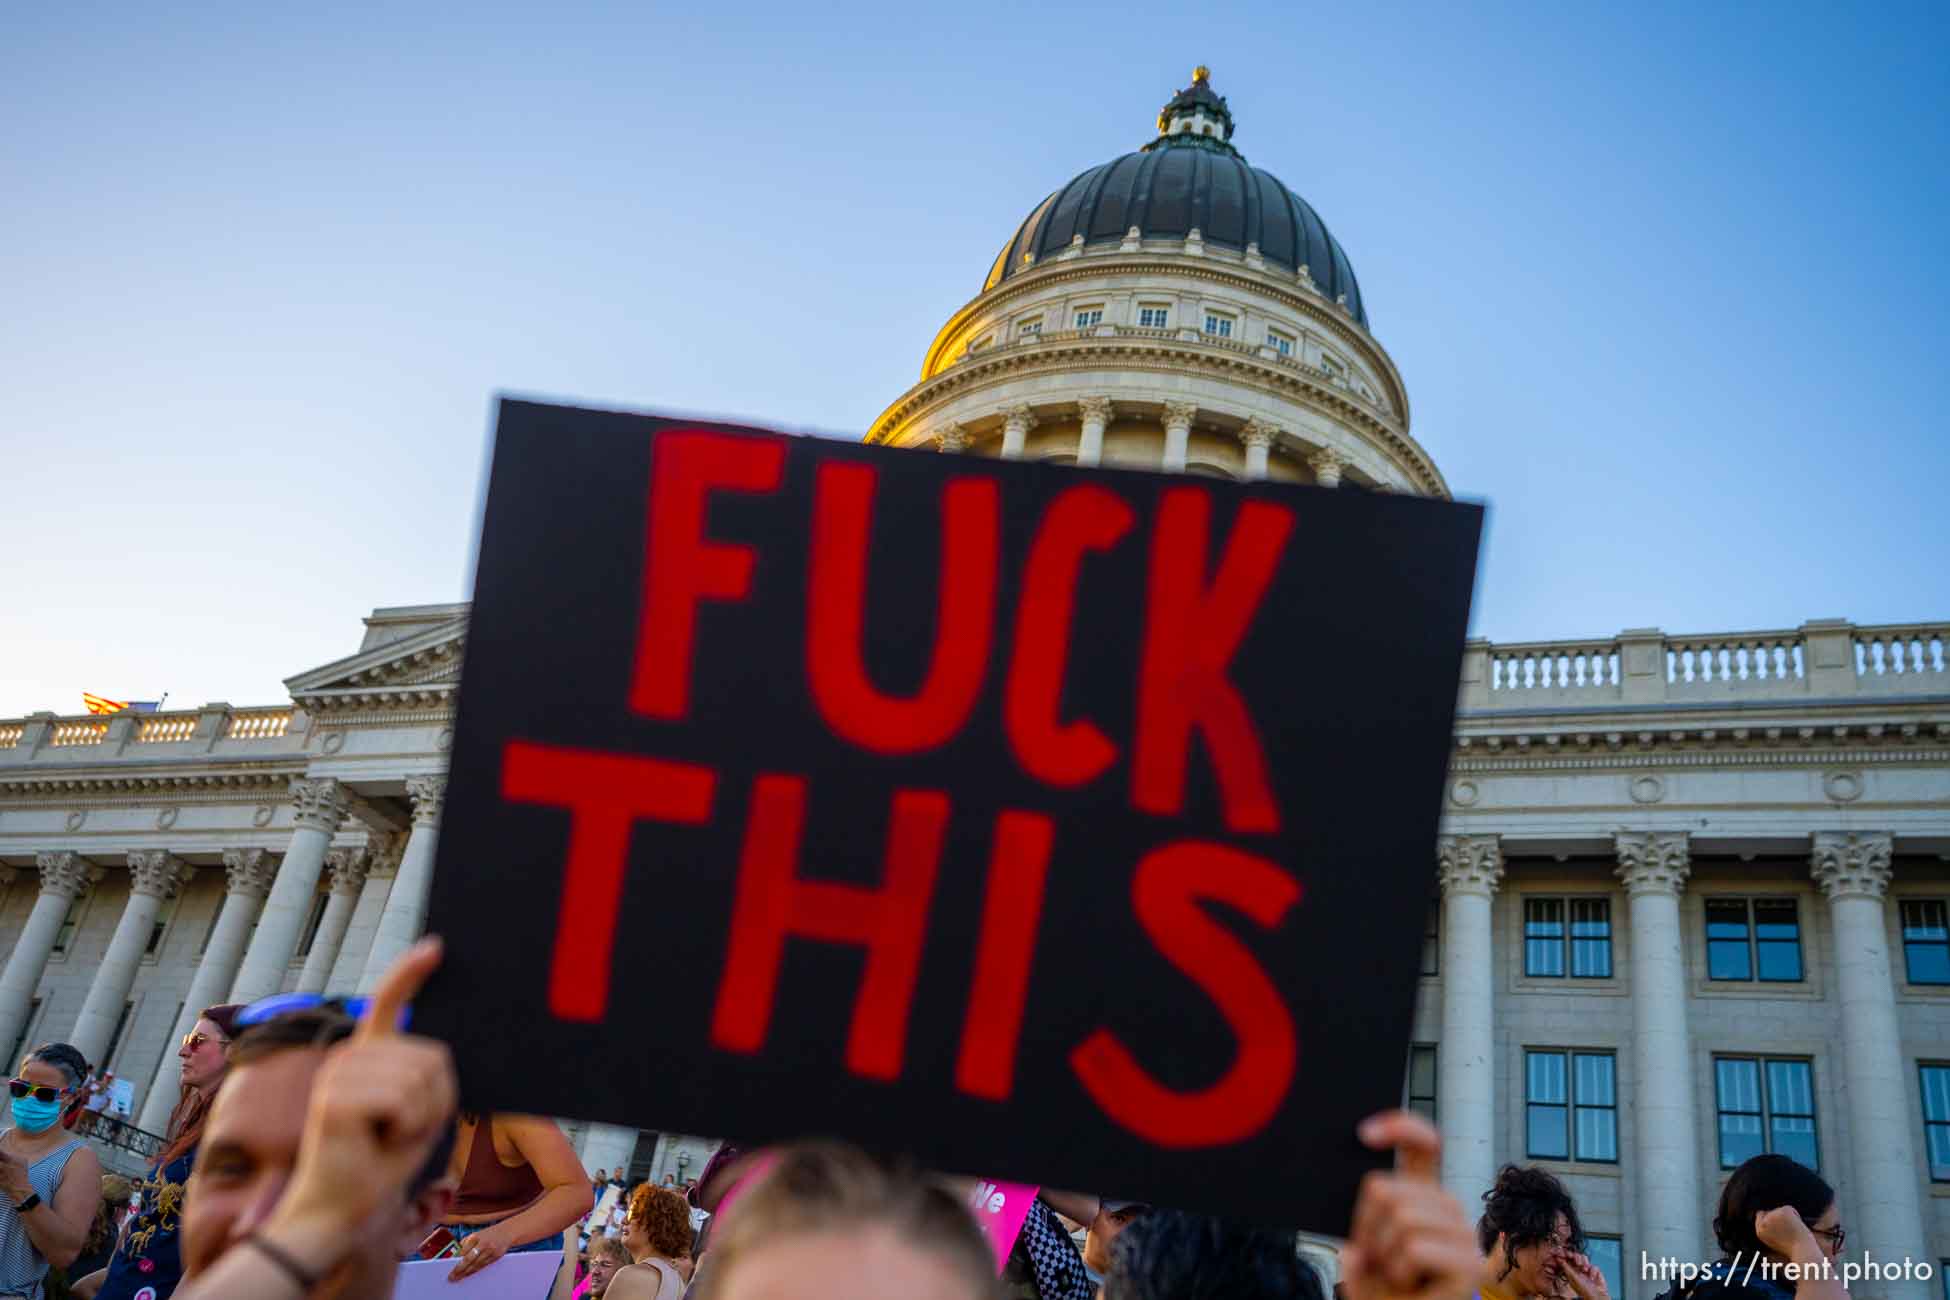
point(22, 1268)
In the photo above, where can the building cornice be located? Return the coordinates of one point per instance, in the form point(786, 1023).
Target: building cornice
point(1166, 356)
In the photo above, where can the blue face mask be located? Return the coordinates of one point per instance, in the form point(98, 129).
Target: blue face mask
point(35, 1116)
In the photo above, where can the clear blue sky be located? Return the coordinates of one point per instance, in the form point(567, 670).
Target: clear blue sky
point(1666, 281)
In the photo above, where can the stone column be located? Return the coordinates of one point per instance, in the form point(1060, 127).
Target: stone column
point(321, 807)
point(1178, 434)
point(1327, 465)
point(1096, 412)
point(63, 877)
point(607, 1146)
point(1654, 868)
point(154, 875)
point(406, 905)
point(347, 868)
point(1258, 438)
point(952, 438)
point(247, 879)
point(1017, 421)
point(1470, 867)
point(1881, 1198)
point(382, 861)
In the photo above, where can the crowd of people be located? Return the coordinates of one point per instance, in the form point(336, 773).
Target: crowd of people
point(312, 1152)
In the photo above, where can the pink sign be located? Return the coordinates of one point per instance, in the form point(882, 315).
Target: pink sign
point(1000, 1208)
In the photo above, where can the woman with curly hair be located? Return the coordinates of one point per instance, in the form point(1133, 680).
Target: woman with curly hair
point(657, 1234)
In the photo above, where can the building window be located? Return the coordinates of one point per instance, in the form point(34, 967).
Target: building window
point(1553, 948)
point(310, 932)
point(1218, 325)
point(70, 925)
point(1753, 938)
point(1154, 317)
point(1936, 1120)
point(161, 926)
point(115, 1039)
point(1419, 1091)
point(1765, 1104)
point(1088, 318)
point(1030, 329)
point(1926, 940)
point(1571, 1105)
point(1432, 941)
point(1608, 1254)
point(1280, 343)
point(1333, 367)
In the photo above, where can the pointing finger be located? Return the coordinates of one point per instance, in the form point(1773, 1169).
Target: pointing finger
point(398, 987)
point(1418, 1147)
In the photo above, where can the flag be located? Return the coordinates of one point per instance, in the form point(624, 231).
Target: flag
point(102, 704)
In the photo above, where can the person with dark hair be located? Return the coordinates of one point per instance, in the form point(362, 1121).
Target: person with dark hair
point(1172, 1255)
point(148, 1263)
point(51, 1181)
point(1782, 1218)
point(324, 1158)
point(1532, 1240)
point(657, 1234)
point(823, 1219)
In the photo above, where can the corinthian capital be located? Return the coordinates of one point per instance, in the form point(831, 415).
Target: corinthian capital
point(1852, 866)
point(1179, 415)
point(156, 872)
point(1657, 862)
point(248, 871)
point(1020, 416)
point(347, 869)
point(1094, 408)
point(1258, 433)
point(952, 437)
point(1327, 465)
point(1469, 864)
point(63, 873)
point(427, 793)
point(320, 803)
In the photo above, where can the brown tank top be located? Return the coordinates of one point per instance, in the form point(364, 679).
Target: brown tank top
point(489, 1187)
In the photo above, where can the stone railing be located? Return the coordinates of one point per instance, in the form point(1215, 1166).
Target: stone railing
point(1824, 659)
point(91, 737)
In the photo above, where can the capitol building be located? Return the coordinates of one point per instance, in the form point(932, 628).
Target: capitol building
point(1692, 891)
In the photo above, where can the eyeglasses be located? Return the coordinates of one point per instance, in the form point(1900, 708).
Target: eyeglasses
point(1835, 1235)
point(283, 1004)
point(21, 1089)
point(194, 1040)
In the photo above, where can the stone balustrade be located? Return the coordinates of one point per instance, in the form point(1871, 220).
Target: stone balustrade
point(1820, 660)
point(214, 730)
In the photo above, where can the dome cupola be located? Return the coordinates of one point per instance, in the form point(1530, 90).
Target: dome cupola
point(1175, 308)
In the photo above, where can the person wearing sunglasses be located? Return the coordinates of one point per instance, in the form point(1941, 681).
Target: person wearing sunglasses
point(148, 1261)
point(51, 1182)
point(1780, 1233)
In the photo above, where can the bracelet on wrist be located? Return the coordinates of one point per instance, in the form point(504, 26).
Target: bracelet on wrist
point(287, 1263)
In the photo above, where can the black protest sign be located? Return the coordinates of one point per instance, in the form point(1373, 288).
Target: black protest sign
point(1064, 826)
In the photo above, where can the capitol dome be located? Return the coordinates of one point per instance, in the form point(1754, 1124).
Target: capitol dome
point(1189, 178)
point(1174, 309)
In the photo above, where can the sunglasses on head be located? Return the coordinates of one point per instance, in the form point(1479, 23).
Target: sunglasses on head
point(284, 1004)
point(21, 1089)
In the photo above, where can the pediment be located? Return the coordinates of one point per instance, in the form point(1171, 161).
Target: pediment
point(428, 661)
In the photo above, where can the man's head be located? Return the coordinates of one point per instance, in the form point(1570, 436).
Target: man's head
point(1529, 1225)
point(1169, 1254)
point(825, 1212)
point(250, 1145)
point(606, 1256)
point(1112, 1218)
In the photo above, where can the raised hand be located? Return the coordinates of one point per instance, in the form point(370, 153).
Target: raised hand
point(1410, 1240)
point(380, 1102)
